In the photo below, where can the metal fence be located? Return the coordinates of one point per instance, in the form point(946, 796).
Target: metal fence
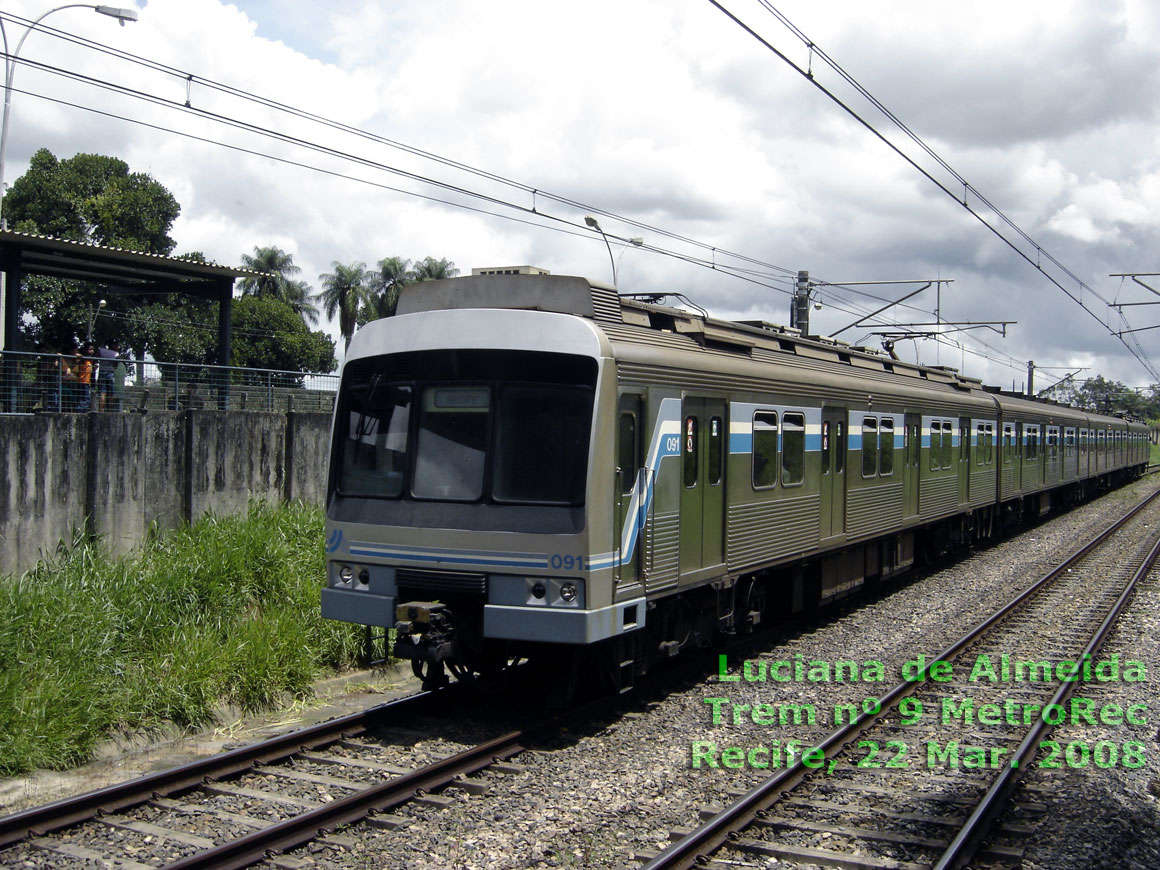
point(53, 383)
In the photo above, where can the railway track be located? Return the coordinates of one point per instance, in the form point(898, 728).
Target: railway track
point(265, 800)
point(921, 781)
point(234, 809)
point(278, 795)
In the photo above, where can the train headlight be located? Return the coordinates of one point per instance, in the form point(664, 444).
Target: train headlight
point(566, 592)
point(346, 574)
point(538, 591)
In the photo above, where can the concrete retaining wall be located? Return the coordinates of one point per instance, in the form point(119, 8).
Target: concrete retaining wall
point(126, 471)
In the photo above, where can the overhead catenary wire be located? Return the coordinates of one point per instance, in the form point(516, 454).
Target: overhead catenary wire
point(733, 271)
point(1134, 348)
point(714, 264)
point(187, 78)
point(766, 275)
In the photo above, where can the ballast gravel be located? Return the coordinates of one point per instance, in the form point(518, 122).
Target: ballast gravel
point(606, 794)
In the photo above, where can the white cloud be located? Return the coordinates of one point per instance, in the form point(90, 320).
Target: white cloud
point(666, 113)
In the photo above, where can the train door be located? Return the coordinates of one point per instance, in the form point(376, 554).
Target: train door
point(912, 457)
point(964, 460)
point(631, 489)
point(702, 484)
point(832, 520)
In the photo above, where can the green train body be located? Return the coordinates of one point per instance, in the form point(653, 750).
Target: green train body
point(531, 465)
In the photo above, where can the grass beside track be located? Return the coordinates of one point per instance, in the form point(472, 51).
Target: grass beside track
point(225, 610)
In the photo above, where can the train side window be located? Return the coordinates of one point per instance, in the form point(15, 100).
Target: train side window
point(627, 460)
point(825, 447)
point(935, 446)
point(793, 449)
point(716, 439)
point(948, 443)
point(840, 448)
point(1032, 445)
point(869, 446)
point(964, 442)
point(915, 445)
point(980, 442)
point(1008, 449)
point(886, 447)
point(691, 451)
point(990, 443)
point(764, 449)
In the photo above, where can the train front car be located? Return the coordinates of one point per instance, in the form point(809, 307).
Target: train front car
point(461, 486)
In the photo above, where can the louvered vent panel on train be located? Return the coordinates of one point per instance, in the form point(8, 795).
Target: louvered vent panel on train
point(433, 584)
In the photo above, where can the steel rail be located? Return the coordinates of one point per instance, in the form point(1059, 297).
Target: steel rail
point(705, 839)
point(294, 832)
point(302, 829)
point(81, 808)
point(963, 847)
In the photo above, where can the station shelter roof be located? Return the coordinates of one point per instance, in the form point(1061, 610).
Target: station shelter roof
point(121, 271)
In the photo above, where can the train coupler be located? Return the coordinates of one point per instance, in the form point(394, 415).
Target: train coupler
point(424, 632)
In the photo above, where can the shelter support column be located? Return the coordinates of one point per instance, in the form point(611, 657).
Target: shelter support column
point(10, 314)
point(225, 317)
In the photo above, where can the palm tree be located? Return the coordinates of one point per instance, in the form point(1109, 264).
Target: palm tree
point(277, 267)
point(393, 274)
point(343, 291)
point(385, 286)
point(298, 296)
point(430, 269)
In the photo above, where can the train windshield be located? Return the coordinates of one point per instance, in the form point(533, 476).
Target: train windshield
point(412, 427)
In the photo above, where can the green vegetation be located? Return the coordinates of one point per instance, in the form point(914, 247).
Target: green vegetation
point(1107, 397)
point(223, 611)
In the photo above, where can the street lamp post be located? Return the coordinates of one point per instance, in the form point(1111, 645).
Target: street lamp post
point(595, 224)
point(93, 319)
point(122, 15)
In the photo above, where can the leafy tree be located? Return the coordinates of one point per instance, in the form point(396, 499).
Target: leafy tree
point(95, 199)
point(1106, 397)
point(344, 291)
point(267, 333)
point(174, 328)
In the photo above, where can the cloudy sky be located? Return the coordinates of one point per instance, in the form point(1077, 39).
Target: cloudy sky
point(484, 132)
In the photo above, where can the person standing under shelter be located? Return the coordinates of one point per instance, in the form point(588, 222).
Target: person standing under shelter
point(49, 373)
point(84, 373)
point(108, 355)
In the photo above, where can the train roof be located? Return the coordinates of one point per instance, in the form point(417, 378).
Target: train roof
point(641, 319)
point(600, 302)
